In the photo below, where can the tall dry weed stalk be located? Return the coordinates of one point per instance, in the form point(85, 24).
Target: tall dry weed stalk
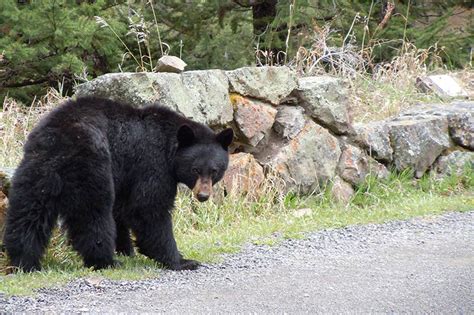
point(377, 90)
point(322, 58)
point(140, 29)
point(391, 86)
point(16, 122)
point(407, 66)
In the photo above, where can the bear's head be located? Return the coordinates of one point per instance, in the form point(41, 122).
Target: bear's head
point(201, 161)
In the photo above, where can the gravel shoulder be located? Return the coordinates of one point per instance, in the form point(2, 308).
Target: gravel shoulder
point(420, 265)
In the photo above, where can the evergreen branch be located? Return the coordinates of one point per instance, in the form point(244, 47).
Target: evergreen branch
point(248, 3)
point(23, 83)
point(170, 24)
point(116, 3)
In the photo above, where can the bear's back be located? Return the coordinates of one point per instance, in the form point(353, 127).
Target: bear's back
point(75, 124)
point(92, 125)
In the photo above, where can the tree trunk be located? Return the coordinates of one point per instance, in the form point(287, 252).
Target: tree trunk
point(264, 12)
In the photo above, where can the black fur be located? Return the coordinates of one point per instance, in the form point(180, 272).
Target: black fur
point(107, 169)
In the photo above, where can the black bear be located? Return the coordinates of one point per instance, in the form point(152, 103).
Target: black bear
point(106, 169)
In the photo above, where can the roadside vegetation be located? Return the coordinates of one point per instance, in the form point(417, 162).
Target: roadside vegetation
point(204, 231)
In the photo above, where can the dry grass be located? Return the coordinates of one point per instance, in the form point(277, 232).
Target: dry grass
point(378, 91)
point(17, 120)
point(466, 79)
point(391, 87)
point(322, 58)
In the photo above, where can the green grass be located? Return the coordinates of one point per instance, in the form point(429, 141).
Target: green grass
point(204, 231)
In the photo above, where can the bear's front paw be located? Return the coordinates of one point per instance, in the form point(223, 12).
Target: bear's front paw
point(189, 264)
point(103, 264)
point(185, 264)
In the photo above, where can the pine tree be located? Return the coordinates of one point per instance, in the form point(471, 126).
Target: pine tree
point(50, 42)
point(44, 43)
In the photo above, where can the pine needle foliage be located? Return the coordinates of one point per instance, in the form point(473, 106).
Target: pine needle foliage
point(45, 43)
point(53, 43)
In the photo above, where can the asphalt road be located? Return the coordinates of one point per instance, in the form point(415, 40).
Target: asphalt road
point(421, 265)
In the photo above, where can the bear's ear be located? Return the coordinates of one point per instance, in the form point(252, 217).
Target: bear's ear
point(225, 137)
point(186, 136)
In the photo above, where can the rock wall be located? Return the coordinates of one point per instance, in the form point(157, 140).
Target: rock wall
point(300, 128)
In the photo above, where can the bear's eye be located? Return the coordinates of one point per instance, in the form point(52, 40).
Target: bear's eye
point(196, 171)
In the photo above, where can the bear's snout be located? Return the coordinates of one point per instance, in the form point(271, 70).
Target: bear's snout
point(203, 188)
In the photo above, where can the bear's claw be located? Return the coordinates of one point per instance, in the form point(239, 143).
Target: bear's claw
point(185, 264)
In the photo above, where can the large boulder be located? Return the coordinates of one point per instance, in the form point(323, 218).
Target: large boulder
point(461, 124)
point(454, 163)
point(306, 162)
point(443, 85)
point(5, 178)
point(418, 141)
point(375, 139)
point(208, 93)
point(3, 214)
point(6, 174)
point(289, 121)
point(460, 117)
point(137, 88)
point(325, 99)
point(199, 95)
point(271, 84)
point(355, 165)
point(253, 118)
point(341, 191)
point(244, 175)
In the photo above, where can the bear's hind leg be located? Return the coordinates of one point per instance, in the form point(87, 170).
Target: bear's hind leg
point(28, 229)
point(86, 208)
point(94, 239)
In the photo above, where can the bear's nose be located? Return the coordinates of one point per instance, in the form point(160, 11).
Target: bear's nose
point(202, 196)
